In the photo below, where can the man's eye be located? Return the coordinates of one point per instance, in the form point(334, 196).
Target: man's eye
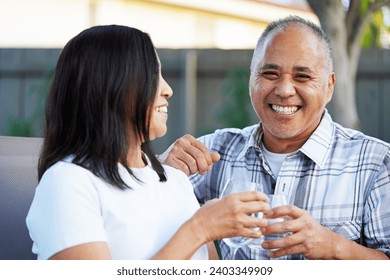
point(302, 77)
point(269, 75)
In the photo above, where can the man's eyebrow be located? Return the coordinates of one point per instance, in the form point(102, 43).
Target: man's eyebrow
point(272, 66)
point(269, 66)
point(302, 69)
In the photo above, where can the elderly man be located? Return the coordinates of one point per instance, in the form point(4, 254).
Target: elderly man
point(337, 180)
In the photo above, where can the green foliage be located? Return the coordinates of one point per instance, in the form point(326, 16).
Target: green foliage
point(364, 5)
point(236, 109)
point(41, 95)
point(20, 126)
point(376, 29)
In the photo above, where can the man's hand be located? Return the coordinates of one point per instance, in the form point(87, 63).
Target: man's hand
point(308, 237)
point(189, 155)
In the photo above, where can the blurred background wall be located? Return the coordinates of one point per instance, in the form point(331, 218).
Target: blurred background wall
point(205, 48)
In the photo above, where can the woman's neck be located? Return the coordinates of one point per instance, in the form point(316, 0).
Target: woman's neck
point(135, 158)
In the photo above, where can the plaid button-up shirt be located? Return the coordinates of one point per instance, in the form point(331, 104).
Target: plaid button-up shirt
point(340, 176)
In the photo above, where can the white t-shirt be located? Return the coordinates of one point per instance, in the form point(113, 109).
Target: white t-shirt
point(274, 160)
point(72, 207)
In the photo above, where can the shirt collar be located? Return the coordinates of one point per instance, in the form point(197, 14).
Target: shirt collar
point(252, 141)
point(316, 147)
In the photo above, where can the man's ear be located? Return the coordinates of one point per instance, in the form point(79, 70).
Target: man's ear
point(330, 88)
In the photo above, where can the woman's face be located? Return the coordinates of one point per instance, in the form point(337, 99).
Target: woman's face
point(159, 114)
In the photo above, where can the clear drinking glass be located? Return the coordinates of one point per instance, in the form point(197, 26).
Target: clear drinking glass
point(255, 243)
point(231, 187)
point(276, 200)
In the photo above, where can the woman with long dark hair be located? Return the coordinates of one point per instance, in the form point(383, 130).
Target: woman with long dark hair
point(102, 193)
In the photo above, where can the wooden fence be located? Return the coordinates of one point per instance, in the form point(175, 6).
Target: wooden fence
point(210, 89)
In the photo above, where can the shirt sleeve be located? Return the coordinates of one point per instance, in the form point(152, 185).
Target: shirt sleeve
point(65, 211)
point(199, 182)
point(377, 231)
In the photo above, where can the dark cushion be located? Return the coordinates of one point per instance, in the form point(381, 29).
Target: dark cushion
point(18, 180)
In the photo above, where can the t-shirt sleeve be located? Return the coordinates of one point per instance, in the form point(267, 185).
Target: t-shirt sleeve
point(65, 211)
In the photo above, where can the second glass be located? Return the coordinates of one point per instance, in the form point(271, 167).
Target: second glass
point(275, 200)
point(231, 187)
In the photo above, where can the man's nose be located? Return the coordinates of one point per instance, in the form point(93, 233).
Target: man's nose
point(285, 86)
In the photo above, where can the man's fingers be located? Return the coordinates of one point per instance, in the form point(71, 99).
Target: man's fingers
point(195, 154)
point(178, 164)
point(245, 196)
point(202, 156)
point(189, 155)
point(285, 210)
point(215, 156)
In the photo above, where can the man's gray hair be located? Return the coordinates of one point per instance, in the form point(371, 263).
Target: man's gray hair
point(282, 25)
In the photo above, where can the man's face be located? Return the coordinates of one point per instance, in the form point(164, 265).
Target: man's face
point(290, 85)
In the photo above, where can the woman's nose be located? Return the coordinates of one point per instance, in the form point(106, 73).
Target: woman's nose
point(166, 90)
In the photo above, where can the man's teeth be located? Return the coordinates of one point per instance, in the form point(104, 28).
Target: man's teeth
point(162, 109)
point(285, 110)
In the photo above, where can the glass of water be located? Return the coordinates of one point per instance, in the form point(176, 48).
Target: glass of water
point(231, 187)
point(276, 200)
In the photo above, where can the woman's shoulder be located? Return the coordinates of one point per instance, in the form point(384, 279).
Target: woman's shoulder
point(66, 176)
point(171, 171)
point(66, 170)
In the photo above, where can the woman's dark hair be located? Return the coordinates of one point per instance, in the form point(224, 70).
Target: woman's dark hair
point(104, 87)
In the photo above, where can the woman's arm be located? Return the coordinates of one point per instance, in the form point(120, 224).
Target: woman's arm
point(216, 219)
point(87, 251)
point(213, 254)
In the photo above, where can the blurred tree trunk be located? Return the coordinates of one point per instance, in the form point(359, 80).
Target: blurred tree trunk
point(345, 27)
